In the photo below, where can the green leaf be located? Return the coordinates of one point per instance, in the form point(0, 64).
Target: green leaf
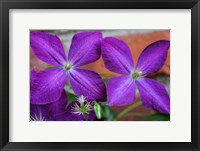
point(71, 97)
point(107, 112)
point(97, 110)
point(158, 117)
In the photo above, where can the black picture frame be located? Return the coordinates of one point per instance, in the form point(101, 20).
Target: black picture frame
point(5, 5)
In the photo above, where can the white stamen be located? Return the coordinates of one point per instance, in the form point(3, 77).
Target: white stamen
point(83, 108)
point(40, 118)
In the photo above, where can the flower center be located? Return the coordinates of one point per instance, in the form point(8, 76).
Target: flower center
point(68, 66)
point(136, 74)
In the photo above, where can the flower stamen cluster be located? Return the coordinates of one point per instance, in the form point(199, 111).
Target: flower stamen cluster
point(136, 74)
point(68, 66)
point(82, 107)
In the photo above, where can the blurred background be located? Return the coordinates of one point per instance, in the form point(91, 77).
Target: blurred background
point(137, 40)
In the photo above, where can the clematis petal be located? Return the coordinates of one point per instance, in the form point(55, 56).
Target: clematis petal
point(116, 55)
point(91, 116)
point(48, 86)
point(67, 116)
point(85, 48)
point(121, 91)
point(59, 106)
point(154, 95)
point(47, 48)
point(153, 57)
point(88, 84)
point(46, 112)
point(33, 76)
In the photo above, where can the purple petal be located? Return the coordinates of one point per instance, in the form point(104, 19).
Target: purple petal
point(59, 106)
point(85, 48)
point(47, 48)
point(121, 91)
point(153, 57)
point(33, 76)
point(91, 116)
point(116, 55)
point(67, 116)
point(48, 86)
point(46, 112)
point(154, 95)
point(88, 84)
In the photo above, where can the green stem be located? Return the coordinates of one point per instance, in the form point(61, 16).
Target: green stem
point(50, 67)
point(126, 110)
point(136, 114)
point(107, 73)
point(85, 117)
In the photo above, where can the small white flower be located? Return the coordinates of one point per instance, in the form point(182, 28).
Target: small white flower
point(83, 107)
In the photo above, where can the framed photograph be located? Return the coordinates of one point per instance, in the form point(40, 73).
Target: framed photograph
point(99, 75)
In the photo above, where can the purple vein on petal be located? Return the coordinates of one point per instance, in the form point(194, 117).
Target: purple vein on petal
point(48, 86)
point(85, 48)
point(47, 48)
point(116, 55)
point(121, 91)
point(153, 57)
point(154, 95)
point(88, 84)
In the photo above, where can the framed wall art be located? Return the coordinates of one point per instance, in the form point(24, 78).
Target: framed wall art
point(80, 75)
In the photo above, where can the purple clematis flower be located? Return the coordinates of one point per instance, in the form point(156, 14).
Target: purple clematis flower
point(48, 85)
point(121, 90)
